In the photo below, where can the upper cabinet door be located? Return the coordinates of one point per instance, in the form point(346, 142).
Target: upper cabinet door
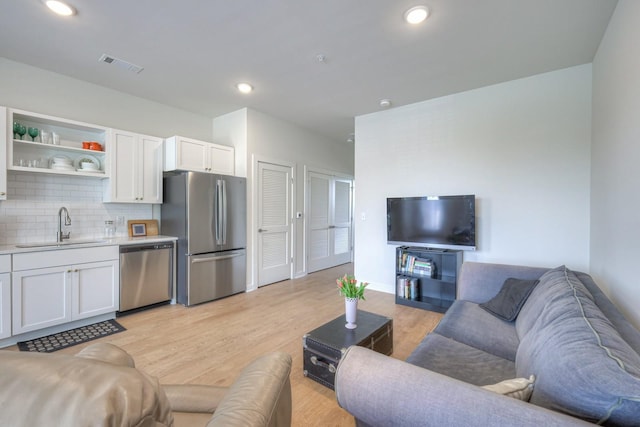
point(186, 154)
point(150, 150)
point(222, 159)
point(198, 156)
point(124, 167)
point(3, 152)
point(135, 163)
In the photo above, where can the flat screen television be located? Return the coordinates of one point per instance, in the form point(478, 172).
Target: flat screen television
point(444, 222)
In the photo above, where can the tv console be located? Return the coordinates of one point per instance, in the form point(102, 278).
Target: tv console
point(426, 278)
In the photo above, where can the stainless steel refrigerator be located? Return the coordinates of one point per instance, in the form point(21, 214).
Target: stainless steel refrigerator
point(208, 214)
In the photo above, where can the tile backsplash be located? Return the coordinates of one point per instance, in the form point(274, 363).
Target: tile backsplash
point(30, 213)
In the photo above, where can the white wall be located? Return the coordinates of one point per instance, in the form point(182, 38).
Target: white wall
point(34, 89)
point(522, 147)
point(272, 139)
point(231, 129)
point(278, 140)
point(30, 213)
point(615, 198)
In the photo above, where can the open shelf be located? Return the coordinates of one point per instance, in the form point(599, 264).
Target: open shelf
point(25, 155)
point(427, 278)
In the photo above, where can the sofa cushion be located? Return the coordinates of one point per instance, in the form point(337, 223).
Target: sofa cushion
point(582, 365)
point(460, 361)
point(467, 323)
point(513, 294)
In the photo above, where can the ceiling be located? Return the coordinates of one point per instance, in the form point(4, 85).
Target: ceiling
point(195, 51)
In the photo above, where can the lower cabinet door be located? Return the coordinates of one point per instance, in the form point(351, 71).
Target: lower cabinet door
point(5, 305)
point(95, 289)
point(40, 298)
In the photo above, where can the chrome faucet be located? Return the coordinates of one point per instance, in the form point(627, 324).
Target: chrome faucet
point(67, 221)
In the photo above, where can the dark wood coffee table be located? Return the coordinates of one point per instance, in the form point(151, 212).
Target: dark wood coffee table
point(324, 346)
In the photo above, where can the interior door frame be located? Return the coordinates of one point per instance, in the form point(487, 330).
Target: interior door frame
point(305, 239)
point(256, 160)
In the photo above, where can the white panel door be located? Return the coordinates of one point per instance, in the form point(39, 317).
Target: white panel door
point(319, 220)
point(274, 223)
point(342, 214)
point(328, 221)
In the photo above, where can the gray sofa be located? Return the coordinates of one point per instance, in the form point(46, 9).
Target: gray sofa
point(583, 354)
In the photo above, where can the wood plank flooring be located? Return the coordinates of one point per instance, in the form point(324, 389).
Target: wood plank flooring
point(210, 343)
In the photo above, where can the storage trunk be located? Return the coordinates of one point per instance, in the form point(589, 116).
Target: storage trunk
point(323, 347)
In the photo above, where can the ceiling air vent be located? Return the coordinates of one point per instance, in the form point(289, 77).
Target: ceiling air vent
point(120, 63)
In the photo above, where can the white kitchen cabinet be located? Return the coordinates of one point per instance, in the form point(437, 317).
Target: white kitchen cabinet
point(190, 154)
point(94, 289)
point(27, 155)
point(3, 157)
point(41, 298)
point(135, 165)
point(55, 287)
point(5, 296)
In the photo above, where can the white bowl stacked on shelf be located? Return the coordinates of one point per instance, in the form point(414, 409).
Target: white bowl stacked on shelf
point(62, 163)
point(88, 166)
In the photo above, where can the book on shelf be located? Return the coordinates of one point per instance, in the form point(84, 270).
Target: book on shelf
point(408, 287)
point(410, 264)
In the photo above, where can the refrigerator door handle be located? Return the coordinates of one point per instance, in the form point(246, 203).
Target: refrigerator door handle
point(224, 211)
point(218, 212)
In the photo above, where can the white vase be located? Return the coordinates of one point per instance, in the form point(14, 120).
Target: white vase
point(350, 311)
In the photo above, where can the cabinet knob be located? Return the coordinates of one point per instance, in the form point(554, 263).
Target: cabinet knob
point(2, 193)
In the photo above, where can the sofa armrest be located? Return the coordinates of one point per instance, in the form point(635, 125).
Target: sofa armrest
point(194, 397)
point(479, 282)
point(106, 352)
point(381, 391)
point(260, 396)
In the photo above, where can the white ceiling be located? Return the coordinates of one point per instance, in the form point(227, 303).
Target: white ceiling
point(194, 51)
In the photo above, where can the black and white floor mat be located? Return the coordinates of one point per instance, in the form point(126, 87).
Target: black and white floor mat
point(66, 339)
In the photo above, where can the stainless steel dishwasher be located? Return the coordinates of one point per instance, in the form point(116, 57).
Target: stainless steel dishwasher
point(146, 275)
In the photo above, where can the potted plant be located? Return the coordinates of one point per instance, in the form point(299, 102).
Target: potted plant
point(352, 291)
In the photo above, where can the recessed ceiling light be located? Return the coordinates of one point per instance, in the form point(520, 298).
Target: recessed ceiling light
point(60, 8)
point(416, 14)
point(385, 103)
point(244, 87)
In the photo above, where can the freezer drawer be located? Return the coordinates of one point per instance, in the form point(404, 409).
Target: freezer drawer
point(213, 276)
point(146, 274)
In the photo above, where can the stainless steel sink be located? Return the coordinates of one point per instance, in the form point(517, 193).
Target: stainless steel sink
point(64, 243)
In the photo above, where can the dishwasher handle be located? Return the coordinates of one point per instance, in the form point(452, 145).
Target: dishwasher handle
point(140, 248)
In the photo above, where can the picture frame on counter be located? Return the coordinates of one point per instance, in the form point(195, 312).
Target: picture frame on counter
point(138, 229)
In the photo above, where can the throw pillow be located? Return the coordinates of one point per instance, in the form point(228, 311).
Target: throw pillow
point(513, 294)
point(518, 388)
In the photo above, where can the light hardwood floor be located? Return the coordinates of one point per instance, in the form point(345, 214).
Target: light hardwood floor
point(210, 343)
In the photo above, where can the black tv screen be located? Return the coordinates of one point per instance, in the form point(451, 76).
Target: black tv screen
point(446, 222)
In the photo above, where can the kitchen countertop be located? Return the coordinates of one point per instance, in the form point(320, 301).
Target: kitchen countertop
point(98, 241)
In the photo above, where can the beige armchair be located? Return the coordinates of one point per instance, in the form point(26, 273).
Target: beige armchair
point(100, 386)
